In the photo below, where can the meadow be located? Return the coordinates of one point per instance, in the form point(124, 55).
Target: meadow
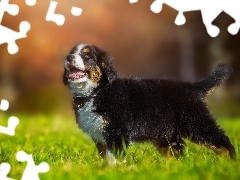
point(71, 154)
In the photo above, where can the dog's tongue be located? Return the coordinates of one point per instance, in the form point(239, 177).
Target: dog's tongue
point(76, 75)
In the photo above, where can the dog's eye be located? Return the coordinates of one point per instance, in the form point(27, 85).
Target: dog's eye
point(87, 56)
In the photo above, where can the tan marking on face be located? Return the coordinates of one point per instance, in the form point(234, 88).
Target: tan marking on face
point(103, 64)
point(86, 50)
point(95, 74)
point(105, 123)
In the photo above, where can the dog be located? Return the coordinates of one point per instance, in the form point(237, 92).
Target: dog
point(116, 110)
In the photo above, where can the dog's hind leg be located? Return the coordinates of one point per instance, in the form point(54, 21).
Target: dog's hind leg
point(225, 146)
point(178, 147)
point(173, 148)
point(163, 149)
point(215, 139)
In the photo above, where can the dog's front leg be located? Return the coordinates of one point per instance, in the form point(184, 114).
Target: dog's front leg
point(110, 157)
point(102, 149)
point(106, 153)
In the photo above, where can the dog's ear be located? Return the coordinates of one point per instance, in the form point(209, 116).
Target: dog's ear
point(65, 80)
point(106, 64)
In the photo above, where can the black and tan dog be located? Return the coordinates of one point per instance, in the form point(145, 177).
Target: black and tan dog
point(116, 111)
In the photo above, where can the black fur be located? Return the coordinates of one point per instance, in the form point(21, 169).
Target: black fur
point(161, 111)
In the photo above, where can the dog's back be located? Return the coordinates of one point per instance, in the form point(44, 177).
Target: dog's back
point(143, 93)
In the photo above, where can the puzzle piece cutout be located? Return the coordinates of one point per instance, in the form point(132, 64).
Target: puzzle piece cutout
point(11, 36)
point(31, 171)
point(209, 10)
point(4, 170)
point(59, 19)
point(12, 9)
point(133, 1)
point(30, 2)
point(12, 121)
point(76, 11)
point(12, 124)
point(232, 8)
point(4, 105)
point(190, 5)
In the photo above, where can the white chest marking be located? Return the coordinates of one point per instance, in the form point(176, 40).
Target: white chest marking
point(90, 122)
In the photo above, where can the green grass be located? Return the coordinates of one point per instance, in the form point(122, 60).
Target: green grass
point(72, 155)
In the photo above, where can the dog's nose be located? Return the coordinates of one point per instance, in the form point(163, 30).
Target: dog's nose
point(70, 58)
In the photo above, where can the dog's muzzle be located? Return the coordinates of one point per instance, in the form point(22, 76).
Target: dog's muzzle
point(70, 58)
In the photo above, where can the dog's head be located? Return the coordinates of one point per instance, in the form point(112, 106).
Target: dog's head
point(87, 67)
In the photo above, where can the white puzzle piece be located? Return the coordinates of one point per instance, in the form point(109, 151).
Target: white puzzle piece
point(30, 2)
point(133, 1)
point(31, 171)
point(59, 19)
point(209, 10)
point(76, 11)
point(12, 9)
point(12, 124)
point(11, 36)
point(232, 8)
point(208, 14)
point(4, 170)
point(12, 121)
point(4, 105)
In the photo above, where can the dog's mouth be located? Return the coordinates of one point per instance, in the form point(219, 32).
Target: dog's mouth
point(76, 73)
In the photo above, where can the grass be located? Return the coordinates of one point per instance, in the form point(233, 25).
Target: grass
point(72, 155)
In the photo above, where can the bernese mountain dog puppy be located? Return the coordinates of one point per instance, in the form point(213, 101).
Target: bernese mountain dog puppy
point(116, 110)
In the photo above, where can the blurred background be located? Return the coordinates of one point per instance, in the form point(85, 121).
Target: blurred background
point(141, 42)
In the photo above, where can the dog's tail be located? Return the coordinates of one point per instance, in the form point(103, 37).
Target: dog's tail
point(218, 76)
